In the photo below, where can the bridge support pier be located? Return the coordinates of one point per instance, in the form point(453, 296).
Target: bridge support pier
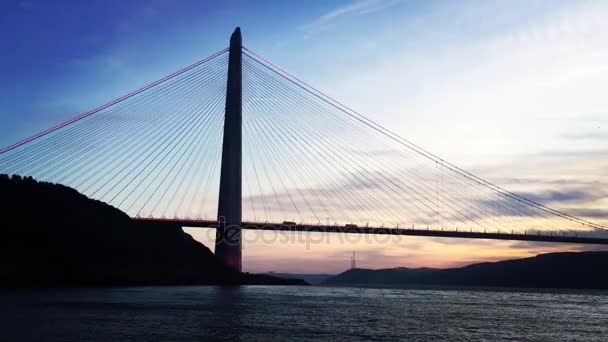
point(229, 213)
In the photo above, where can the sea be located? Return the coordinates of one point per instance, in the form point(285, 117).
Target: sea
point(302, 313)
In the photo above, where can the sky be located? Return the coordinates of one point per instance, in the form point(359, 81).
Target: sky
point(513, 91)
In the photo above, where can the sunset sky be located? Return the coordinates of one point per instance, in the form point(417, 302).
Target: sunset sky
point(513, 91)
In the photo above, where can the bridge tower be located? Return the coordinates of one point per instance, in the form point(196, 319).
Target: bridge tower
point(229, 212)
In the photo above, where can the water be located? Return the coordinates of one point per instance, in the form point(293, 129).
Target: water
point(262, 313)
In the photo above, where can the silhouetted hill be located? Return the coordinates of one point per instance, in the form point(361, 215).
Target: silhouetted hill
point(51, 235)
point(313, 279)
point(397, 275)
point(582, 270)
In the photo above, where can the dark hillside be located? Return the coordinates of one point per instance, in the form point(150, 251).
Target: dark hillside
point(582, 270)
point(51, 235)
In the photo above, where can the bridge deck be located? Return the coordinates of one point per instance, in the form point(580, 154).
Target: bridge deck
point(390, 231)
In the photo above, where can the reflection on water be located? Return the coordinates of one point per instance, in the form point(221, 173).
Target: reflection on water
point(261, 313)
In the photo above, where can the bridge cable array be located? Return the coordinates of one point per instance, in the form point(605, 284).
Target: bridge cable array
point(147, 154)
point(337, 161)
point(307, 158)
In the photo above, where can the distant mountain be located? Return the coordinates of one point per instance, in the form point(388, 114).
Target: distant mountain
point(397, 275)
point(51, 235)
point(313, 279)
point(582, 270)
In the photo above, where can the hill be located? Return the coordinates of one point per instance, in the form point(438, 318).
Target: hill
point(313, 279)
point(582, 270)
point(51, 235)
point(397, 275)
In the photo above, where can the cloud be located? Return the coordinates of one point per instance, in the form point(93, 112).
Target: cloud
point(577, 155)
point(358, 7)
point(586, 136)
point(457, 241)
point(544, 181)
point(545, 197)
point(548, 246)
point(487, 90)
point(562, 200)
point(588, 212)
point(453, 202)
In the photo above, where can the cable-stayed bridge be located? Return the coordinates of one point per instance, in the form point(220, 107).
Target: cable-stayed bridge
point(281, 155)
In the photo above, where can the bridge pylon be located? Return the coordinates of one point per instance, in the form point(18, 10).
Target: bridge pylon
point(229, 213)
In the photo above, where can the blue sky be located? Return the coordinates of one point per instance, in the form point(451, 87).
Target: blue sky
point(62, 57)
point(489, 85)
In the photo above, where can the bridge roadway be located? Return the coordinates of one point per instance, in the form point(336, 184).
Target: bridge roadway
point(351, 229)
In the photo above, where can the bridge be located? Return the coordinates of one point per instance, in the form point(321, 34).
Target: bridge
point(235, 142)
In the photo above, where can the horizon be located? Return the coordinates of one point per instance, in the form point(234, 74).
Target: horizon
point(516, 100)
point(415, 268)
